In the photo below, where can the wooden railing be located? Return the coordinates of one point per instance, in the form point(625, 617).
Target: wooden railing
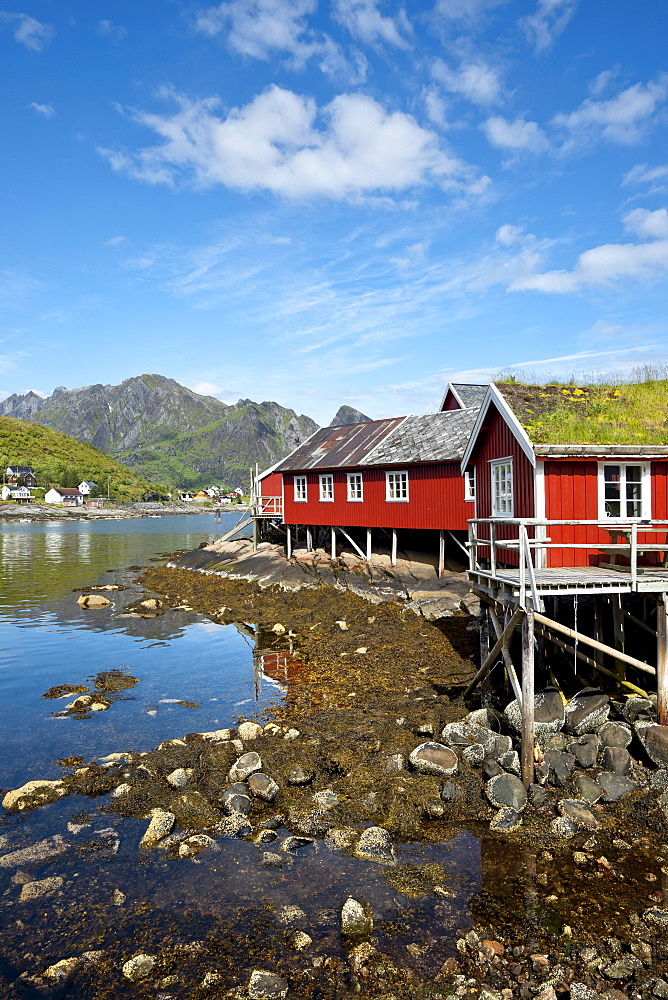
point(528, 549)
point(267, 507)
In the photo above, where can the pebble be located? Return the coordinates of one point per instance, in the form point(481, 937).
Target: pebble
point(266, 986)
point(249, 731)
point(375, 844)
point(563, 827)
point(294, 843)
point(356, 922)
point(506, 790)
point(300, 941)
point(434, 758)
point(139, 967)
point(300, 776)
point(397, 762)
point(263, 787)
point(326, 799)
point(246, 765)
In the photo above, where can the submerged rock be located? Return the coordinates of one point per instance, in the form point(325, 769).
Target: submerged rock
point(434, 758)
point(375, 844)
point(579, 812)
point(356, 919)
point(162, 823)
point(41, 851)
point(34, 794)
point(191, 847)
point(506, 790)
point(266, 986)
point(40, 887)
point(139, 967)
point(93, 601)
point(506, 820)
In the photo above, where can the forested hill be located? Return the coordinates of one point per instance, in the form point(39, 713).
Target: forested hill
point(166, 432)
point(57, 458)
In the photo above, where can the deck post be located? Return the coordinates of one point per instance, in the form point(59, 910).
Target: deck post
point(394, 546)
point(441, 554)
point(333, 543)
point(662, 659)
point(288, 541)
point(368, 544)
point(598, 628)
point(527, 697)
point(485, 684)
point(255, 533)
point(618, 625)
point(309, 539)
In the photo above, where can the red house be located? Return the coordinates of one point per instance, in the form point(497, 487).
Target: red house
point(398, 474)
point(581, 454)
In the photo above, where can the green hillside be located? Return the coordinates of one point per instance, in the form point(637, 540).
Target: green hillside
point(61, 460)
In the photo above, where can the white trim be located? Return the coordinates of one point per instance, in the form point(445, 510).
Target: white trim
point(645, 493)
point(494, 464)
point(295, 498)
point(450, 388)
point(470, 484)
point(326, 479)
point(495, 397)
point(396, 472)
point(539, 491)
point(360, 498)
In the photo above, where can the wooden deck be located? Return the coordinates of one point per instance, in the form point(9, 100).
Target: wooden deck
point(504, 583)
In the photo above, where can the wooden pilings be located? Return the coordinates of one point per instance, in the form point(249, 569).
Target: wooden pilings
point(662, 659)
point(527, 697)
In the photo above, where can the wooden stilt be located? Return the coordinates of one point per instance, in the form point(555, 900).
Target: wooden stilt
point(598, 630)
point(618, 626)
point(255, 534)
point(394, 547)
point(485, 686)
point(494, 652)
point(510, 669)
point(289, 542)
point(309, 540)
point(662, 660)
point(528, 697)
point(333, 543)
point(368, 544)
point(441, 555)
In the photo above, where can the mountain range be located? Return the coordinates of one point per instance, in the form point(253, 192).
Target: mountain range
point(165, 432)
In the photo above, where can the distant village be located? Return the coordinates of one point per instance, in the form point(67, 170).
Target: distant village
point(20, 481)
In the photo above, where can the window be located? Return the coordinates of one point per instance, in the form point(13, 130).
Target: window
point(300, 489)
point(396, 487)
point(469, 484)
point(355, 488)
point(327, 489)
point(502, 487)
point(624, 491)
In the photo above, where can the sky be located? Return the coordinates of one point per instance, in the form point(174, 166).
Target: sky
point(331, 201)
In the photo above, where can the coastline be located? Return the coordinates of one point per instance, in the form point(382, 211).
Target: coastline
point(119, 510)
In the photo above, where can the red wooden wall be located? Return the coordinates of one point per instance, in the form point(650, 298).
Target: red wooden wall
point(450, 403)
point(571, 493)
point(271, 485)
point(436, 500)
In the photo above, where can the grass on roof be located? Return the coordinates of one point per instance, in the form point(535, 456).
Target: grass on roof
point(572, 414)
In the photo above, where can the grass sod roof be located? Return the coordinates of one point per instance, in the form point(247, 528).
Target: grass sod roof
point(628, 414)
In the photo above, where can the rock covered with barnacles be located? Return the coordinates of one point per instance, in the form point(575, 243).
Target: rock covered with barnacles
point(548, 712)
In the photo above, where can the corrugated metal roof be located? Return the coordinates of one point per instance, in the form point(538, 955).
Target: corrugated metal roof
point(431, 437)
point(337, 447)
point(470, 395)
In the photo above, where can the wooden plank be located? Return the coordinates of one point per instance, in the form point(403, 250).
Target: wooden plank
point(662, 661)
point(354, 544)
point(510, 668)
point(528, 735)
point(501, 641)
point(588, 641)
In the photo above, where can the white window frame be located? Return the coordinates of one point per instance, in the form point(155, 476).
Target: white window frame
point(494, 465)
point(300, 486)
point(469, 485)
point(390, 486)
point(645, 491)
point(355, 480)
point(326, 482)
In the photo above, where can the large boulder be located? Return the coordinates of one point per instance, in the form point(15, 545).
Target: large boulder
point(654, 738)
point(506, 790)
point(464, 734)
point(587, 712)
point(548, 712)
point(585, 749)
point(246, 765)
point(34, 794)
point(356, 919)
point(560, 766)
point(434, 758)
point(375, 844)
point(162, 823)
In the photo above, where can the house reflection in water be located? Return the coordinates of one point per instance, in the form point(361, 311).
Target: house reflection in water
point(276, 661)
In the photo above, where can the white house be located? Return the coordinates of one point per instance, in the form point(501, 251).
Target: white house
point(20, 494)
point(63, 495)
point(87, 486)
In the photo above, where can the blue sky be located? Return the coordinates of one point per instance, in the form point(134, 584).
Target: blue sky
point(326, 202)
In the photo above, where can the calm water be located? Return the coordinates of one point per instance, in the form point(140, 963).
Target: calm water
point(47, 639)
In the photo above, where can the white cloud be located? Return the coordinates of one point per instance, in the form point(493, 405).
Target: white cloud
point(206, 388)
point(647, 224)
point(259, 29)
point(435, 107)
point(116, 31)
point(620, 119)
point(28, 31)
point(365, 22)
point(601, 82)
point(468, 11)
point(47, 110)
point(516, 135)
point(655, 177)
point(475, 80)
point(543, 27)
point(508, 235)
point(280, 142)
point(602, 266)
point(114, 241)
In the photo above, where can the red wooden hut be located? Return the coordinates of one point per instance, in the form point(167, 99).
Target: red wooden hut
point(572, 453)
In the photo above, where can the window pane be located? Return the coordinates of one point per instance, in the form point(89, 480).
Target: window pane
point(633, 473)
point(612, 508)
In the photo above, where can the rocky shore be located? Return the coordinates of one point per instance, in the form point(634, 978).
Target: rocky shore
point(112, 509)
point(374, 751)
